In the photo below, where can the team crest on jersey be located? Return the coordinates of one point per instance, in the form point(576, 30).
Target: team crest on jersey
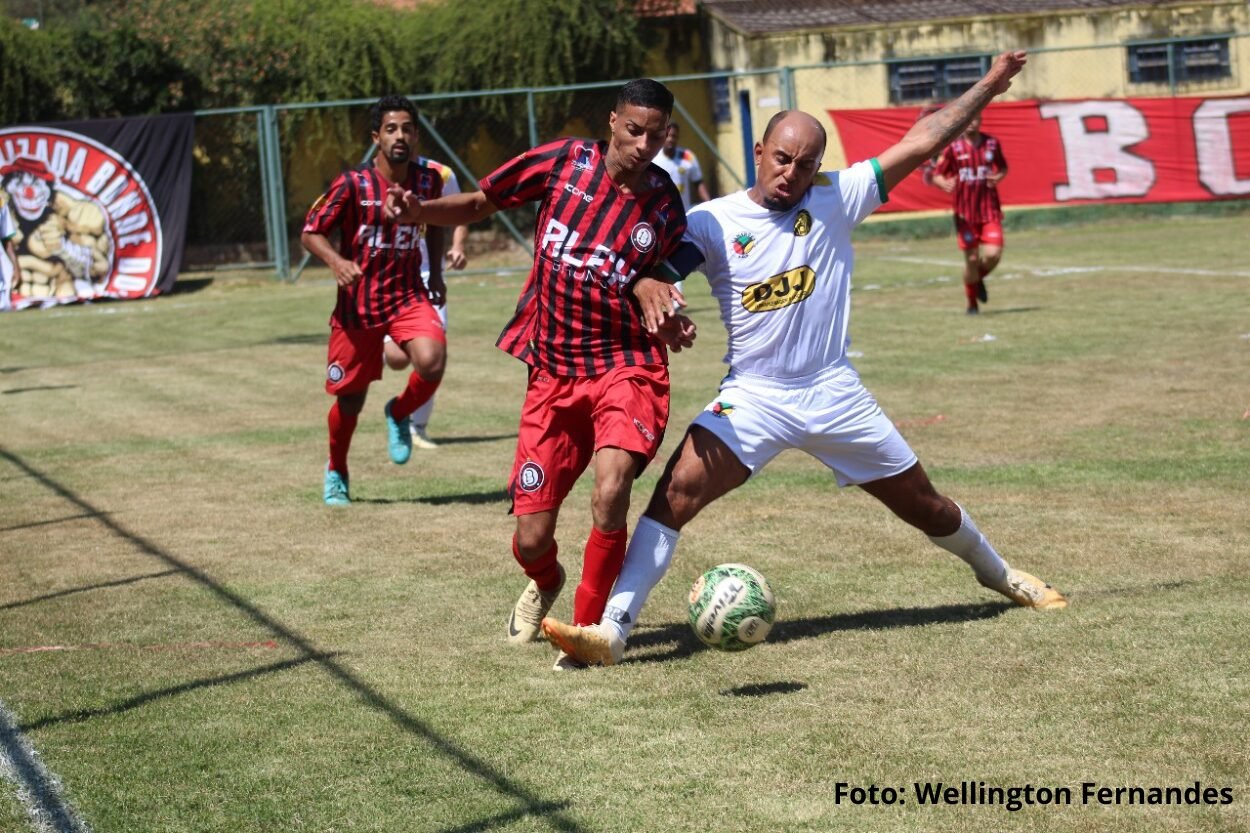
point(531, 477)
point(802, 223)
point(743, 244)
point(335, 373)
point(722, 409)
point(88, 224)
point(790, 287)
point(584, 157)
point(643, 237)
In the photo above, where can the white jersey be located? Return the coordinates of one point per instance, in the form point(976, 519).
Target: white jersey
point(783, 278)
point(683, 168)
point(450, 186)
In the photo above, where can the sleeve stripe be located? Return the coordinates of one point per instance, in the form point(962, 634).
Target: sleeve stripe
point(876, 168)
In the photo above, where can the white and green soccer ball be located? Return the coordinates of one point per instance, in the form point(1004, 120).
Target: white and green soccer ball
point(732, 607)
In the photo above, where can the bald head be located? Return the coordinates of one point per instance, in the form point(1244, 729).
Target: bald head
point(787, 159)
point(805, 128)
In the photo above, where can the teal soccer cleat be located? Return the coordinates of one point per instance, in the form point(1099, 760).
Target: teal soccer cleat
point(398, 437)
point(335, 491)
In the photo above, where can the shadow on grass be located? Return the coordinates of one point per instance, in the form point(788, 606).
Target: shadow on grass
point(185, 286)
point(12, 391)
point(173, 691)
point(1009, 310)
point(763, 689)
point(789, 630)
point(531, 804)
point(52, 522)
point(470, 498)
point(121, 582)
point(303, 338)
point(488, 438)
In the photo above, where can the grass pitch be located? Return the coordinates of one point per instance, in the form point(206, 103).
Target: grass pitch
point(225, 653)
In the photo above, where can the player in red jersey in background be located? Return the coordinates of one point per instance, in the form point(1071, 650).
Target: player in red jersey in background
point(971, 168)
point(377, 266)
point(598, 382)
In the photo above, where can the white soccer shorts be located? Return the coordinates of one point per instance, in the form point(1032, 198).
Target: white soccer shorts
point(831, 416)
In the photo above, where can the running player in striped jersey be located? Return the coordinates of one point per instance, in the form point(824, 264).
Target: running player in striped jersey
point(598, 381)
point(396, 356)
point(779, 258)
point(377, 266)
point(971, 168)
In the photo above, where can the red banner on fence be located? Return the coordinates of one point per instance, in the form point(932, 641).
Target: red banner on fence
point(1093, 150)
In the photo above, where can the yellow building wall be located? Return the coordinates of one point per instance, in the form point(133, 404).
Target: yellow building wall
point(1073, 55)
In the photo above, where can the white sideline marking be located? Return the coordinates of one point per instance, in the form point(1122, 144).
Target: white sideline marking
point(1047, 271)
point(37, 789)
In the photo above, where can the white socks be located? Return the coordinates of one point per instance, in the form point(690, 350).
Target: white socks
point(647, 558)
point(969, 544)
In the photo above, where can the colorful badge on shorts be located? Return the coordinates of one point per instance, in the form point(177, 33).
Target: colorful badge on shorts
point(531, 477)
point(722, 409)
point(743, 244)
point(802, 223)
point(643, 237)
point(335, 373)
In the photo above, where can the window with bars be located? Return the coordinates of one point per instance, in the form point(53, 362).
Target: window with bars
point(934, 79)
point(1200, 59)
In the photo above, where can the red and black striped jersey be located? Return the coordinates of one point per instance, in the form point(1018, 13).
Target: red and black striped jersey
point(970, 165)
point(389, 254)
point(575, 316)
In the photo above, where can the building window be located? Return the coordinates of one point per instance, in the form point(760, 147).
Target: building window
point(1201, 59)
point(722, 113)
point(935, 79)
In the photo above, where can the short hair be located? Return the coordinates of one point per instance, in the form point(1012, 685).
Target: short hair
point(644, 92)
point(390, 104)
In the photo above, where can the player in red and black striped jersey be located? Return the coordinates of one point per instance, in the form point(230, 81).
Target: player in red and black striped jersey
point(598, 380)
point(377, 266)
point(971, 168)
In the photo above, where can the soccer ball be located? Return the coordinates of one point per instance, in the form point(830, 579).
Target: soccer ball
point(731, 607)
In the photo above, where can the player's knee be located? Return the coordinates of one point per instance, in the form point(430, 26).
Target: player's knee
point(351, 404)
point(534, 540)
point(430, 364)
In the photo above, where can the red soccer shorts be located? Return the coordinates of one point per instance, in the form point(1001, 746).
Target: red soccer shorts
point(972, 235)
point(565, 419)
point(354, 359)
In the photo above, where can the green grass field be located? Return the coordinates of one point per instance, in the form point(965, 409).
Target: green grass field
point(235, 656)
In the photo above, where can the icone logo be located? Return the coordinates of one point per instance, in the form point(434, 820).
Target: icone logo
point(87, 225)
point(780, 290)
point(577, 192)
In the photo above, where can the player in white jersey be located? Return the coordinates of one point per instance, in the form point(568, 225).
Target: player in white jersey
point(396, 358)
point(682, 166)
point(779, 258)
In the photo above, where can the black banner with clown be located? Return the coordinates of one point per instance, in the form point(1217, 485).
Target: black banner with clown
point(98, 209)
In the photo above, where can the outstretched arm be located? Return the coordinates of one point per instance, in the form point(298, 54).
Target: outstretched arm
point(932, 133)
point(455, 210)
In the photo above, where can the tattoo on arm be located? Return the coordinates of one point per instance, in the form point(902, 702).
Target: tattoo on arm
point(947, 123)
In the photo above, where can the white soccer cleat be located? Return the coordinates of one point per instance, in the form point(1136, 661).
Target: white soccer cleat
point(525, 624)
point(1028, 590)
point(420, 439)
point(589, 644)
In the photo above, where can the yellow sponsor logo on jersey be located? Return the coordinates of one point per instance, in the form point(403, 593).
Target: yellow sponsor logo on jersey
point(802, 223)
point(780, 290)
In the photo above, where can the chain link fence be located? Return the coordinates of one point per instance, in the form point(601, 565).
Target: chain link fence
point(257, 170)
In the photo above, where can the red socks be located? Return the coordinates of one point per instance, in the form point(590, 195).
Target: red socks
point(970, 292)
point(342, 426)
point(416, 394)
point(605, 553)
point(545, 570)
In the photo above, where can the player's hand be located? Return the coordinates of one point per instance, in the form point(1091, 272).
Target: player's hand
point(677, 332)
point(437, 289)
point(346, 272)
point(402, 206)
point(656, 299)
point(1006, 66)
point(456, 259)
